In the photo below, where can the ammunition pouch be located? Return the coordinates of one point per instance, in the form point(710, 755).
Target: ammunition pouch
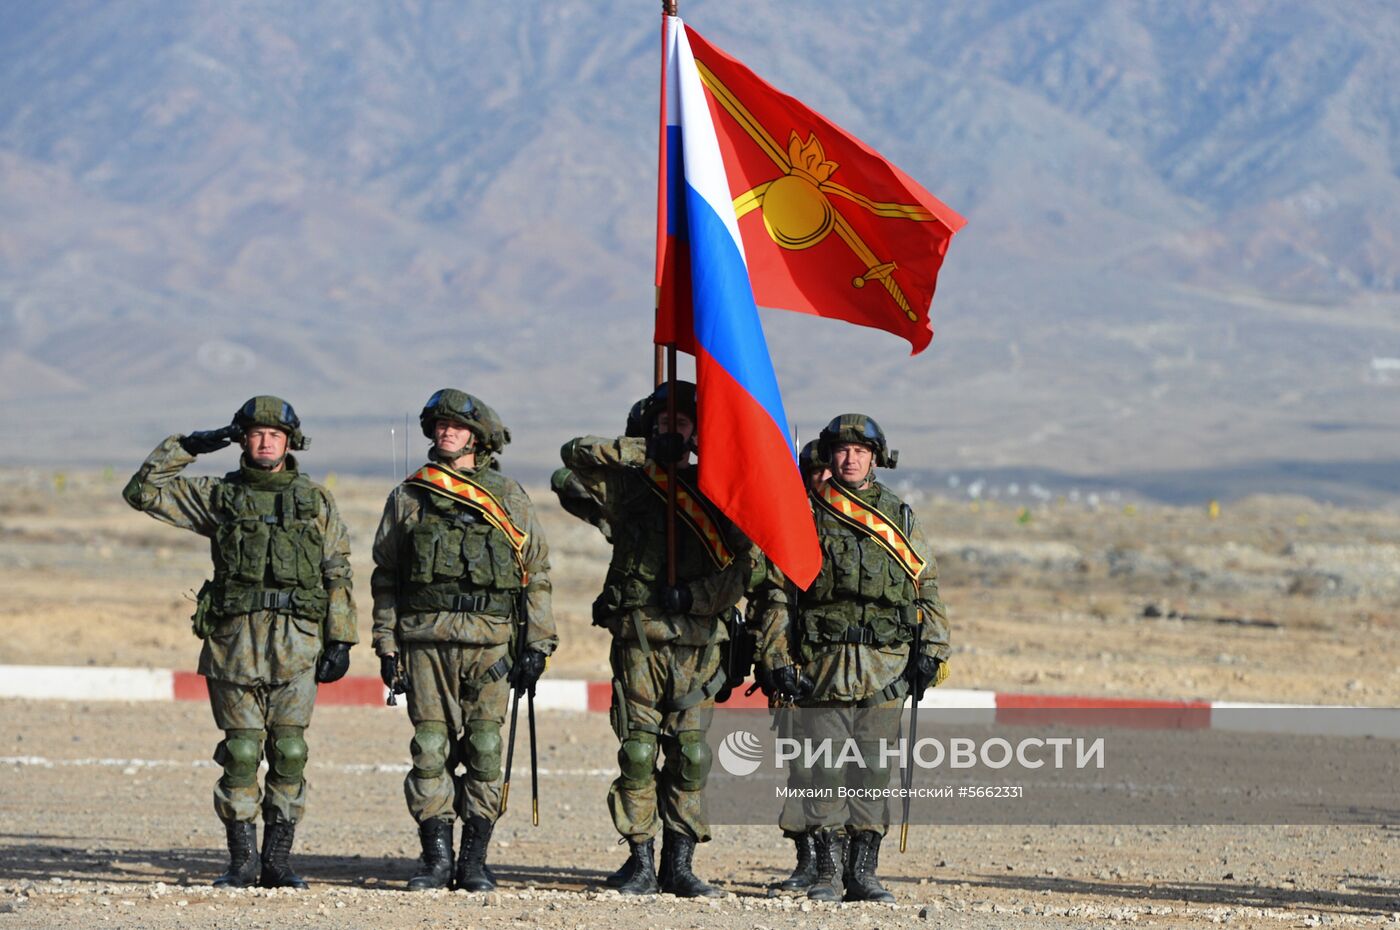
point(202, 623)
point(737, 655)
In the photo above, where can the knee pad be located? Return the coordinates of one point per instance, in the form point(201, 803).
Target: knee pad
point(636, 758)
point(482, 751)
point(239, 754)
point(429, 749)
point(286, 754)
point(692, 760)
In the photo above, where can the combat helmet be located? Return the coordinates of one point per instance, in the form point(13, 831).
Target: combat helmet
point(266, 410)
point(857, 428)
point(655, 404)
point(809, 462)
point(471, 412)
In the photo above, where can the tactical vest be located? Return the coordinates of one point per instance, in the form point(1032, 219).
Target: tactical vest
point(453, 560)
point(268, 549)
point(860, 594)
point(639, 553)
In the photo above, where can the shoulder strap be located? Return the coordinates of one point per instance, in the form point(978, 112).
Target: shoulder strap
point(452, 484)
point(854, 512)
point(696, 512)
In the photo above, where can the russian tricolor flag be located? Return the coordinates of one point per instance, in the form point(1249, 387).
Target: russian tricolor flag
point(748, 466)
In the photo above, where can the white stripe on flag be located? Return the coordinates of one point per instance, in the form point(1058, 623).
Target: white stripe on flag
point(704, 166)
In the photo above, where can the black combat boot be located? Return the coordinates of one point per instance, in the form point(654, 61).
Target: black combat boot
point(435, 865)
point(676, 875)
point(806, 872)
point(831, 862)
point(625, 871)
point(643, 877)
point(471, 858)
point(277, 846)
point(242, 855)
point(861, 883)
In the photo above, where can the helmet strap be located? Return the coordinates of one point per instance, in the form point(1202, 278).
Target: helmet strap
point(250, 462)
point(438, 454)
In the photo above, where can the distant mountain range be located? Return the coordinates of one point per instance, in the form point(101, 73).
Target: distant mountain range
point(1181, 273)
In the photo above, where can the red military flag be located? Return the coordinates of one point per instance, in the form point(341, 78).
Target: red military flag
point(829, 227)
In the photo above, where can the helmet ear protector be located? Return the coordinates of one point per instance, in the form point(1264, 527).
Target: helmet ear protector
point(636, 418)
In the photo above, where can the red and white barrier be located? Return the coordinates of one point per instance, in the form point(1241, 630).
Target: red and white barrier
point(55, 682)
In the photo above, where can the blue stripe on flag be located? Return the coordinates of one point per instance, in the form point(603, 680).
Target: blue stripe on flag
point(675, 181)
point(726, 319)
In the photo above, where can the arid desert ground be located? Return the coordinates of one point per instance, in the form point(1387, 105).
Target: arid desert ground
point(106, 816)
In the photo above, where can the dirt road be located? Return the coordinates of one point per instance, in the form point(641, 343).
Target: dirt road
point(107, 822)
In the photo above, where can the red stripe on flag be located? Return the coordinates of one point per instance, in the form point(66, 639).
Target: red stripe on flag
point(748, 471)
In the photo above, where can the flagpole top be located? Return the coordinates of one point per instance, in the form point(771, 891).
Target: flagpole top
point(670, 7)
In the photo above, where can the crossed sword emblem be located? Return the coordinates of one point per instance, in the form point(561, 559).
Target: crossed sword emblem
point(797, 208)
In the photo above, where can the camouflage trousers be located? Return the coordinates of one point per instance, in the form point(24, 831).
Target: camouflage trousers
point(457, 701)
point(792, 820)
point(262, 721)
point(658, 711)
point(872, 730)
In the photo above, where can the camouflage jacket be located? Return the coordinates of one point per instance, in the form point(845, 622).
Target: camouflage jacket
point(610, 472)
point(844, 671)
point(474, 553)
point(258, 646)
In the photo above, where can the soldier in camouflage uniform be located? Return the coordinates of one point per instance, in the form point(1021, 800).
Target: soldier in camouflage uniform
point(462, 607)
point(667, 639)
point(842, 648)
point(277, 618)
point(792, 820)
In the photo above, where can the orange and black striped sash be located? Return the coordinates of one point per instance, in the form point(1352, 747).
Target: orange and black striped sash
point(696, 512)
point(456, 486)
point(851, 510)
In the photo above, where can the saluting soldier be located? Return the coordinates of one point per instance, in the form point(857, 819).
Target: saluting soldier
point(667, 638)
point(276, 618)
point(841, 649)
point(462, 610)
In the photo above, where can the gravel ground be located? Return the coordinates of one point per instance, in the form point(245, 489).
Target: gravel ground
point(107, 822)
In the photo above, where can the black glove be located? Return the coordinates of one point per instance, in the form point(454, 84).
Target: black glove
point(335, 662)
point(389, 670)
point(210, 440)
point(675, 599)
point(926, 673)
point(667, 448)
point(527, 671)
point(790, 684)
